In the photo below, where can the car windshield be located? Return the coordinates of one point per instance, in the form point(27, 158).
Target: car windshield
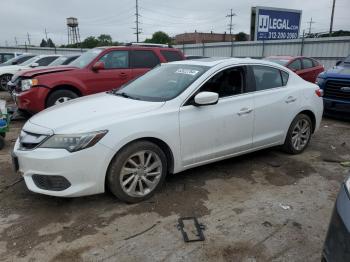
point(9, 62)
point(58, 61)
point(277, 60)
point(347, 60)
point(86, 58)
point(28, 62)
point(163, 83)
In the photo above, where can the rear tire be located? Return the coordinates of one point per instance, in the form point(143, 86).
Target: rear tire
point(2, 142)
point(60, 96)
point(299, 135)
point(137, 171)
point(3, 81)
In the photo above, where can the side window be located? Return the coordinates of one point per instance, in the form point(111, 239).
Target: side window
point(143, 59)
point(266, 77)
point(285, 77)
point(8, 57)
point(315, 63)
point(307, 63)
point(171, 55)
point(228, 82)
point(46, 60)
point(295, 65)
point(115, 59)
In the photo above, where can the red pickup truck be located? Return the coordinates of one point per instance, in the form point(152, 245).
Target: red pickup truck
point(97, 70)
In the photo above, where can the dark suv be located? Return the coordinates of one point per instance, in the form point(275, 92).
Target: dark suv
point(335, 83)
point(97, 70)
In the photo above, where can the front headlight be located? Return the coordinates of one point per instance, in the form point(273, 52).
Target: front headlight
point(74, 142)
point(347, 184)
point(26, 84)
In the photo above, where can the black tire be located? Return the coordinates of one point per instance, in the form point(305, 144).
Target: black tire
point(288, 144)
point(2, 142)
point(60, 94)
point(3, 81)
point(121, 160)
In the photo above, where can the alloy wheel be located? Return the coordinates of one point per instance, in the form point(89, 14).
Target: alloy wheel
point(4, 80)
point(62, 100)
point(301, 134)
point(141, 173)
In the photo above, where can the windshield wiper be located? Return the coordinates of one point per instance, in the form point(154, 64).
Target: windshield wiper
point(123, 94)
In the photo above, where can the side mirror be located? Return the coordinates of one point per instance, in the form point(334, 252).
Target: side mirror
point(206, 98)
point(98, 66)
point(34, 65)
point(338, 62)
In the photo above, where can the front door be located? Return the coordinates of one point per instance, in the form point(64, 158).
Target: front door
point(215, 131)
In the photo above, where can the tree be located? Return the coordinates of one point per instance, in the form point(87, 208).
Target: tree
point(43, 43)
point(50, 43)
point(104, 40)
point(89, 42)
point(159, 38)
point(241, 36)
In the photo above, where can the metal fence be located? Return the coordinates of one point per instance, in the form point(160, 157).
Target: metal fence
point(326, 50)
point(41, 50)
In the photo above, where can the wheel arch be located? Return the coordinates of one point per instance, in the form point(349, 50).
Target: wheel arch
point(63, 87)
point(312, 116)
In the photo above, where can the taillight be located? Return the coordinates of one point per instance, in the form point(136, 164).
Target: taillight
point(319, 92)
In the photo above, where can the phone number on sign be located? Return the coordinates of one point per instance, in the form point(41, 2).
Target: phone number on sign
point(282, 35)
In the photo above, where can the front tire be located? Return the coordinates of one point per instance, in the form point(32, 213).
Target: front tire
point(3, 81)
point(60, 96)
point(137, 171)
point(299, 135)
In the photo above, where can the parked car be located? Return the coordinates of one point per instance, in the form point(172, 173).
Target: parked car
point(306, 67)
point(64, 60)
point(97, 70)
point(129, 139)
point(5, 56)
point(335, 84)
point(6, 72)
point(337, 243)
point(18, 60)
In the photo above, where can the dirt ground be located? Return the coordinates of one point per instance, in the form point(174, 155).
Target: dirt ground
point(265, 206)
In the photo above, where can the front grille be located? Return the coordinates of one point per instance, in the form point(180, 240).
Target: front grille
point(29, 141)
point(53, 183)
point(333, 89)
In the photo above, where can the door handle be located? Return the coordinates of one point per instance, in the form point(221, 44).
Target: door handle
point(290, 99)
point(244, 111)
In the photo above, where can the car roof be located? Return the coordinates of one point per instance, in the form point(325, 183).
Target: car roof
point(213, 61)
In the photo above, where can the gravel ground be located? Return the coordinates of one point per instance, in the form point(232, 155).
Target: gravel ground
point(265, 206)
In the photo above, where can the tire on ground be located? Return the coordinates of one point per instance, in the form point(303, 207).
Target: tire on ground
point(56, 95)
point(114, 171)
point(2, 79)
point(288, 146)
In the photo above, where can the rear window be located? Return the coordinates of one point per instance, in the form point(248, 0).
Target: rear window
point(171, 55)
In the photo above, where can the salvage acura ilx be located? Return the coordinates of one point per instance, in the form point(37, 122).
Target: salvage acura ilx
point(177, 116)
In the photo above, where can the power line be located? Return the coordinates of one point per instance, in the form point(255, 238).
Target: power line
point(310, 25)
point(230, 25)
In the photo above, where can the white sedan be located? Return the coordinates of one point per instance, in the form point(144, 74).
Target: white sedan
point(177, 116)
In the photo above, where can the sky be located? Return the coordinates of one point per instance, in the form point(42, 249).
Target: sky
point(117, 17)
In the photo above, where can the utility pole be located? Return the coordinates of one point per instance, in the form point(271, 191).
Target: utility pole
point(138, 30)
point(230, 25)
point(28, 37)
point(46, 34)
point(6, 43)
point(332, 16)
point(16, 40)
point(310, 24)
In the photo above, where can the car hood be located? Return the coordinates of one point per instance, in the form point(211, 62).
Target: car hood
point(44, 70)
point(11, 68)
point(337, 72)
point(90, 113)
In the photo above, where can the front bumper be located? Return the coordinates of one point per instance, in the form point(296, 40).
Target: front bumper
point(85, 170)
point(32, 100)
point(337, 243)
point(336, 107)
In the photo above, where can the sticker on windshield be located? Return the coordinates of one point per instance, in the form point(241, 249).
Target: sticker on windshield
point(186, 71)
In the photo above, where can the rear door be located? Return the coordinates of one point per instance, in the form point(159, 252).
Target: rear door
point(295, 66)
point(275, 105)
point(309, 71)
point(116, 72)
point(141, 61)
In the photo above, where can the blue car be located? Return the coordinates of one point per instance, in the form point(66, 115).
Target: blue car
point(335, 84)
point(337, 244)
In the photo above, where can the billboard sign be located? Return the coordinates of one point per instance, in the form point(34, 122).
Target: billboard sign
point(276, 23)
